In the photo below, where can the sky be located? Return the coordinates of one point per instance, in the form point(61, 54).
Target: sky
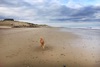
point(50, 10)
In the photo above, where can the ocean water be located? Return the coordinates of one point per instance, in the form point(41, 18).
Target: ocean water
point(83, 25)
point(86, 25)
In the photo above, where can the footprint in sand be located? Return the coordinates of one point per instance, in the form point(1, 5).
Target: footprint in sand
point(97, 61)
point(8, 56)
point(62, 54)
point(36, 57)
point(51, 55)
point(33, 58)
point(64, 65)
point(63, 48)
point(11, 56)
point(57, 61)
point(32, 41)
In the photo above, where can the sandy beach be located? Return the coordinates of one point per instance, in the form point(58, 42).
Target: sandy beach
point(20, 47)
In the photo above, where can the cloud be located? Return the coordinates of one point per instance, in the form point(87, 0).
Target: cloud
point(74, 5)
point(52, 10)
point(13, 3)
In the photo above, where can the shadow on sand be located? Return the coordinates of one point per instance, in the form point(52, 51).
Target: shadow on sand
point(47, 48)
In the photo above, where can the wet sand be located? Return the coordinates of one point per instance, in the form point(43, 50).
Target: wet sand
point(20, 47)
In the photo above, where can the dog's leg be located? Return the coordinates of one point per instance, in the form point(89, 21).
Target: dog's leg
point(43, 47)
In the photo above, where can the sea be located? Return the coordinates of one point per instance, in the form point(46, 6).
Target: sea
point(83, 25)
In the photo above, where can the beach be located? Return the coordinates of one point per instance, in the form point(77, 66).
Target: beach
point(20, 47)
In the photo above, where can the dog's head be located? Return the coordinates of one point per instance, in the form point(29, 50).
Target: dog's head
point(41, 38)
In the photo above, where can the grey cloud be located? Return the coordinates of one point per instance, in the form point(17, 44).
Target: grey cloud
point(85, 11)
point(82, 14)
point(49, 10)
point(13, 3)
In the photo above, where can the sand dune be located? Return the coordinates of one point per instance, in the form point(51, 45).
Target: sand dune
point(19, 24)
point(21, 48)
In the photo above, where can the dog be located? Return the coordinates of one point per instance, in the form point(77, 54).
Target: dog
point(42, 43)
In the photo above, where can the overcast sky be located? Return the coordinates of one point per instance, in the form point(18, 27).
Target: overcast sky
point(50, 10)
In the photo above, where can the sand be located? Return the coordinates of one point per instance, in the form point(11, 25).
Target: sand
point(3, 27)
point(20, 47)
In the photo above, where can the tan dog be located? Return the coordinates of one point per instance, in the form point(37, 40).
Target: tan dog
point(42, 42)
